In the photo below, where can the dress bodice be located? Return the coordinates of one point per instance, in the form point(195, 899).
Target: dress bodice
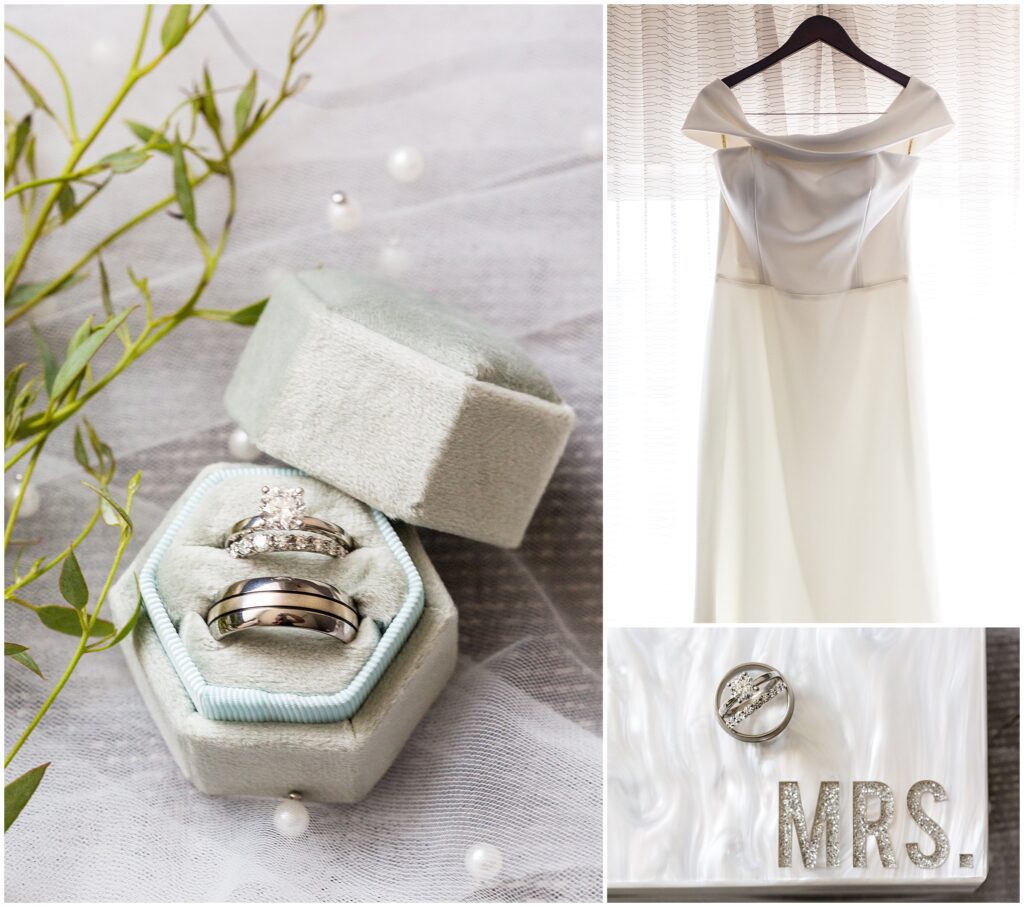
point(816, 214)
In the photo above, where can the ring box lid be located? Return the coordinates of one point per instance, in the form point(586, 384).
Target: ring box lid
point(402, 402)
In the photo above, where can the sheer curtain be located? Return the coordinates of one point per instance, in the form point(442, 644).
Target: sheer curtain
point(661, 235)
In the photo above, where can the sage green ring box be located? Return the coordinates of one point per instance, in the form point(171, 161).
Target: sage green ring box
point(387, 401)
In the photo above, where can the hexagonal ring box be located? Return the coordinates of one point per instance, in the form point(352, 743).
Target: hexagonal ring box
point(393, 407)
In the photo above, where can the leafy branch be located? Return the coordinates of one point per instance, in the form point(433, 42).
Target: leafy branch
point(197, 143)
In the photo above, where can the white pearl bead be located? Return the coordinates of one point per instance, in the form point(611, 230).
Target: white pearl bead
point(394, 259)
point(484, 862)
point(103, 51)
point(291, 818)
point(30, 503)
point(241, 447)
point(406, 164)
point(344, 213)
point(592, 143)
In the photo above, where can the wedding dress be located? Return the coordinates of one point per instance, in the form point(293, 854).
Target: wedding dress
point(813, 498)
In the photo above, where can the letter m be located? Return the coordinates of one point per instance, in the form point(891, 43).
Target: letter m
point(826, 823)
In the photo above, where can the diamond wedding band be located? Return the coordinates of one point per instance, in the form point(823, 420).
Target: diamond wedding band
point(282, 525)
point(744, 690)
point(284, 601)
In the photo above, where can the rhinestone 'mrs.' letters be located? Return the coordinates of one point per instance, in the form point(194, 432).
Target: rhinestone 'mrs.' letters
point(863, 791)
point(825, 824)
point(826, 821)
point(928, 825)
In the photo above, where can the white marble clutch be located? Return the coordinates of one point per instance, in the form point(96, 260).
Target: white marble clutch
point(694, 813)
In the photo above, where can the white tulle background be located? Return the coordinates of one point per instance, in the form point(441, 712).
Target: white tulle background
point(505, 103)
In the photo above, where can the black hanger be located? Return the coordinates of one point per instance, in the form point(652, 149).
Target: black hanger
point(817, 28)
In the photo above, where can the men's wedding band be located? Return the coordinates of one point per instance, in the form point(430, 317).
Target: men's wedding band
point(284, 602)
point(744, 690)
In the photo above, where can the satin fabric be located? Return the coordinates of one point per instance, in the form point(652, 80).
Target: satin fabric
point(813, 500)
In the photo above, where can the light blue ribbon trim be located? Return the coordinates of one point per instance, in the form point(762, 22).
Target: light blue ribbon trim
point(221, 703)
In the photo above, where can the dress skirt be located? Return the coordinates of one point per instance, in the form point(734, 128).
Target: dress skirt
point(813, 502)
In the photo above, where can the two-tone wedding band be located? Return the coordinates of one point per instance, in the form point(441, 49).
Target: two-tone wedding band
point(282, 525)
point(284, 602)
point(745, 690)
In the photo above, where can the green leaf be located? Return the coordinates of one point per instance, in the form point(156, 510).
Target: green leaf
point(21, 402)
point(78, 338)
point(20, 791)
point(217, 166)
point(23, 292)
point(182, 186)
point(247, 315)
point(11, 386)
point(243, 106)
point(133, 486)
point(142, 285)
point(108, 305)
point(125, 161)
point(123, 632)
point(106, 464)
point(208, 103)
point(72, 583)
point(20, 654)
point(256, 120)
point(80, 453)
point(125, 520)
point(30, 156)
point(151, 137)
point(21, 134)
point(34, 96)
point(17, 401)
point(68, 620)
point(304, 40)
point(49, 363)
point(23, 658)
point(175, 25)
point(79, 357)
point(66, 201)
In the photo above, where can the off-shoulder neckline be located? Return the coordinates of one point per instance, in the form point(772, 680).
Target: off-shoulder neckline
point(915, 115)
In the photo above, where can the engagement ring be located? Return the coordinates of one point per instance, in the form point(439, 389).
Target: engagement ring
point(282, 525)
point(745, 690)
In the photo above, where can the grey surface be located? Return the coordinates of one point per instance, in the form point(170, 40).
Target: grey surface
point(1003, 653)
point(505, 224)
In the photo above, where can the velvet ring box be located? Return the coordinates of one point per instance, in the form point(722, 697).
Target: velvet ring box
point(391, 411)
